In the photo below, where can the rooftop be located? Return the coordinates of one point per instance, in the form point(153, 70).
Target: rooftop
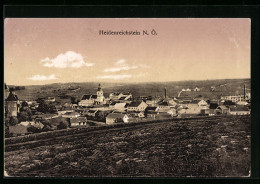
point(135, 103)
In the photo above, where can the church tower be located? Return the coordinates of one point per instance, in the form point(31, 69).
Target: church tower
point(100, 95)
point(12, 105)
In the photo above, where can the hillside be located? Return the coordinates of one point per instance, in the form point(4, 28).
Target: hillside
point(222, 87)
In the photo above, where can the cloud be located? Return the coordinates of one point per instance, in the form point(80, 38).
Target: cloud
point(69, 59)
point(42, 77)
point(117, 69)
point(121, 65)
point(115, 77)
point(121, 61)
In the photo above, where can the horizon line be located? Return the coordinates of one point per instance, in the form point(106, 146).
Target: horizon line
point(120, 82)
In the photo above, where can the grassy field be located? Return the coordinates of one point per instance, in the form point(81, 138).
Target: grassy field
point(213, 147)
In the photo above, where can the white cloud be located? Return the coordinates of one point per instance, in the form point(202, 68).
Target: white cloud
point(121, 61)
point(121, 65)
point(42, 77)
point(117, 69)
point(69, 59)
point(115, 77)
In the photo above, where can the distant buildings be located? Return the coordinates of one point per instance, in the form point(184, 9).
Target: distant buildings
point(237, 98)
point(78, 121)
point(116, 118)
point(89, 100)
point(239, 110)
point(196, 89)
point(137, 106)
point(121, 108)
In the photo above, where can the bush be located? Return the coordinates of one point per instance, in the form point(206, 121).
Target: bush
point(63, 125)
point(13, 121)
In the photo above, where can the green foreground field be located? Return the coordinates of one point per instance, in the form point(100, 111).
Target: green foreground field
point(212, 147)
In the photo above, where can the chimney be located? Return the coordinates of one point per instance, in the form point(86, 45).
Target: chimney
point(244, 92)
point(165, 92)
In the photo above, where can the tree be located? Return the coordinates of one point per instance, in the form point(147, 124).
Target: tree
point(25, 115)
point(13, 121)
point(33, 129)
point(229, 102)
point(46, 108)
point(45, 122)
point(46, 128)
point(63, 125)
point(24, 104)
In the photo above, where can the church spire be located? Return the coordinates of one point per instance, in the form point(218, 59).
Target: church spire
point(99, 87)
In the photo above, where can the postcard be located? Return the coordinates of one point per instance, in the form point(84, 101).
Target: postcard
point(127, 97)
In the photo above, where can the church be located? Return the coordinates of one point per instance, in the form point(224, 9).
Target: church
point(92, 99)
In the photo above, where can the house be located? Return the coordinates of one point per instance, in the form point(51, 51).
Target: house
point(193, 108)
point(206, 111)
point(78, 121)
point(32, 123)
point(50, 99)
point(153, 101)
point(172, 112)
point(184, 103)
point(120, 96)
point(237, 98)
point(58, 107)
point(164, 106)
point(199, 102)
point(114, 96)
point(87, 100)
point(242, 103)
point(180, 109)
point(239, 110)
point(120, 106)
point(196, 89)
point(64, 111)
point(222, 109)
point(214, 104)
point(139, 114)
point(112, 105)
point(151, 109)
point(92, 113)
point(137, 106)
point(116, 118)
point(70, 115)
point(183, 100)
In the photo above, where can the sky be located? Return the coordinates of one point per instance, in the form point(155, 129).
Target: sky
point(53, 50)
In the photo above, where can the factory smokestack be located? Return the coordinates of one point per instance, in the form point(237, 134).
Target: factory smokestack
point(165, 92)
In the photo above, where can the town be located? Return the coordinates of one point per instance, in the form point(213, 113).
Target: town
point(46, 114)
